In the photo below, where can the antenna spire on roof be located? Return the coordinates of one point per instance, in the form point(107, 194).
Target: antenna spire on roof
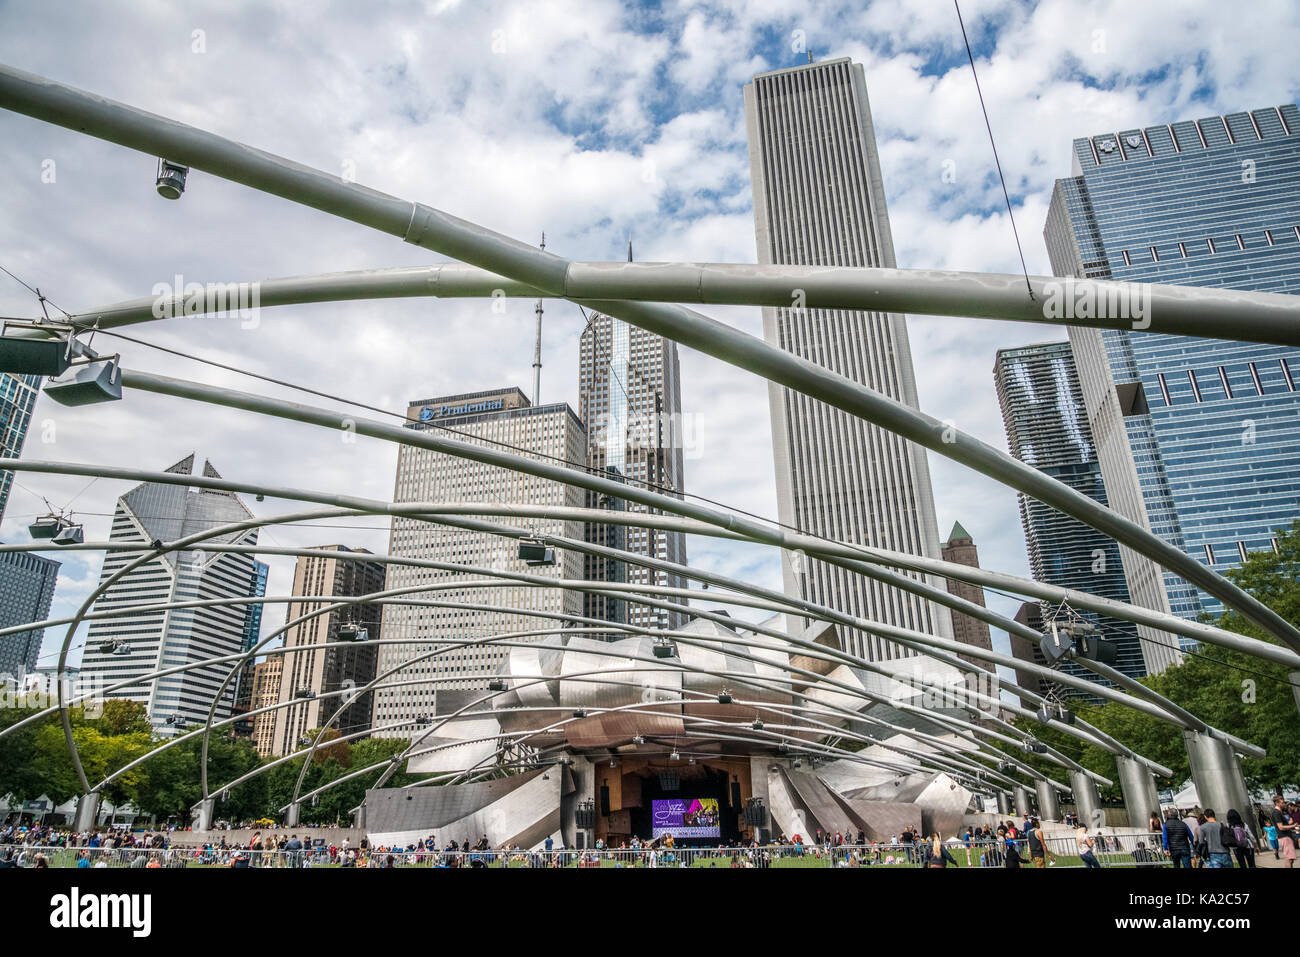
point(537, 347)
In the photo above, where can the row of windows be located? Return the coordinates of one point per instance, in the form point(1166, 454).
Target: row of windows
point(1211, 558)
point(1186, 250)
point(1211, 380)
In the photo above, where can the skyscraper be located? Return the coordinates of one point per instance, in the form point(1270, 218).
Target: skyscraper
point(135, 644)
point(264, 692)
point(321, 670)
point(1199, 439)
point(252, 628)
point(502, 419)
point(1047, 427)
point(17, 399)
point(960, 548)
point(819, 200)
point(630, 397)
point(26, 591)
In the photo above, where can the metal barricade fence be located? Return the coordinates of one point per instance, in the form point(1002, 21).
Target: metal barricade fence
point(174, 857)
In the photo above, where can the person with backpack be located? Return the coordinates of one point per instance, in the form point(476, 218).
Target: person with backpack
point(1244, 839)
point(1177, 840)
point(1216, 842)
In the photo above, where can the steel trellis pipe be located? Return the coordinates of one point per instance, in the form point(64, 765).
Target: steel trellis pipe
point(1183, 310)
point(441, 232)
point(718, 525)
point(395, 509)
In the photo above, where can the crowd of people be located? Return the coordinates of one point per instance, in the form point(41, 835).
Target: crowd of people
point(1200, 839)
point(1196, 838)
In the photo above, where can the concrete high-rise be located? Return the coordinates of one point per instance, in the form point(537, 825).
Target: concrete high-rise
point(630, 397)
point(321, 670)
point(819, 199)
point(960, 548)
point(138, 643)
point(264, 691)
point(502, 419)
point(1198, 439)
point(1047, 427)
point(26, 591)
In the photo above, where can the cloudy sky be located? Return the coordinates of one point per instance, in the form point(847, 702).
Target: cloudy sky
point(590, 120)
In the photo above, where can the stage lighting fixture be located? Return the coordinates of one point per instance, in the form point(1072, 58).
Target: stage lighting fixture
point(47, 526)
point(757, 725)
point(37, 356)
point(171, 179)
point(424, 719)
point(69, 535)
point(99, 380)
point(638, 740)
point(663, 648)
point(533, 552)
point(674, 756)
point(306, 693)
point(497, 684)
point(724, 698)
point(580, 713)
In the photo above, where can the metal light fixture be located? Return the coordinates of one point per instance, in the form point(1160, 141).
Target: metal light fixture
point(171, 179)
point(306, 694)
point(580, 713)
point(533, 552)
point(638, 740)
point(674, 756)
point(724, 698)
point(757, 725)
point(497, 684)
point(664, 648)
point(40, 355)
point(47, 526)
point(99, 380)
point(69, 535)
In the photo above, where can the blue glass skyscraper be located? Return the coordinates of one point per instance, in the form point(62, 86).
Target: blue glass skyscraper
point(1199, 439)
point(17, 399)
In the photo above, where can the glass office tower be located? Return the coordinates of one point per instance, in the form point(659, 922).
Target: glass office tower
point(1199, 439)
point(1047, 427)
point(17, 399)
